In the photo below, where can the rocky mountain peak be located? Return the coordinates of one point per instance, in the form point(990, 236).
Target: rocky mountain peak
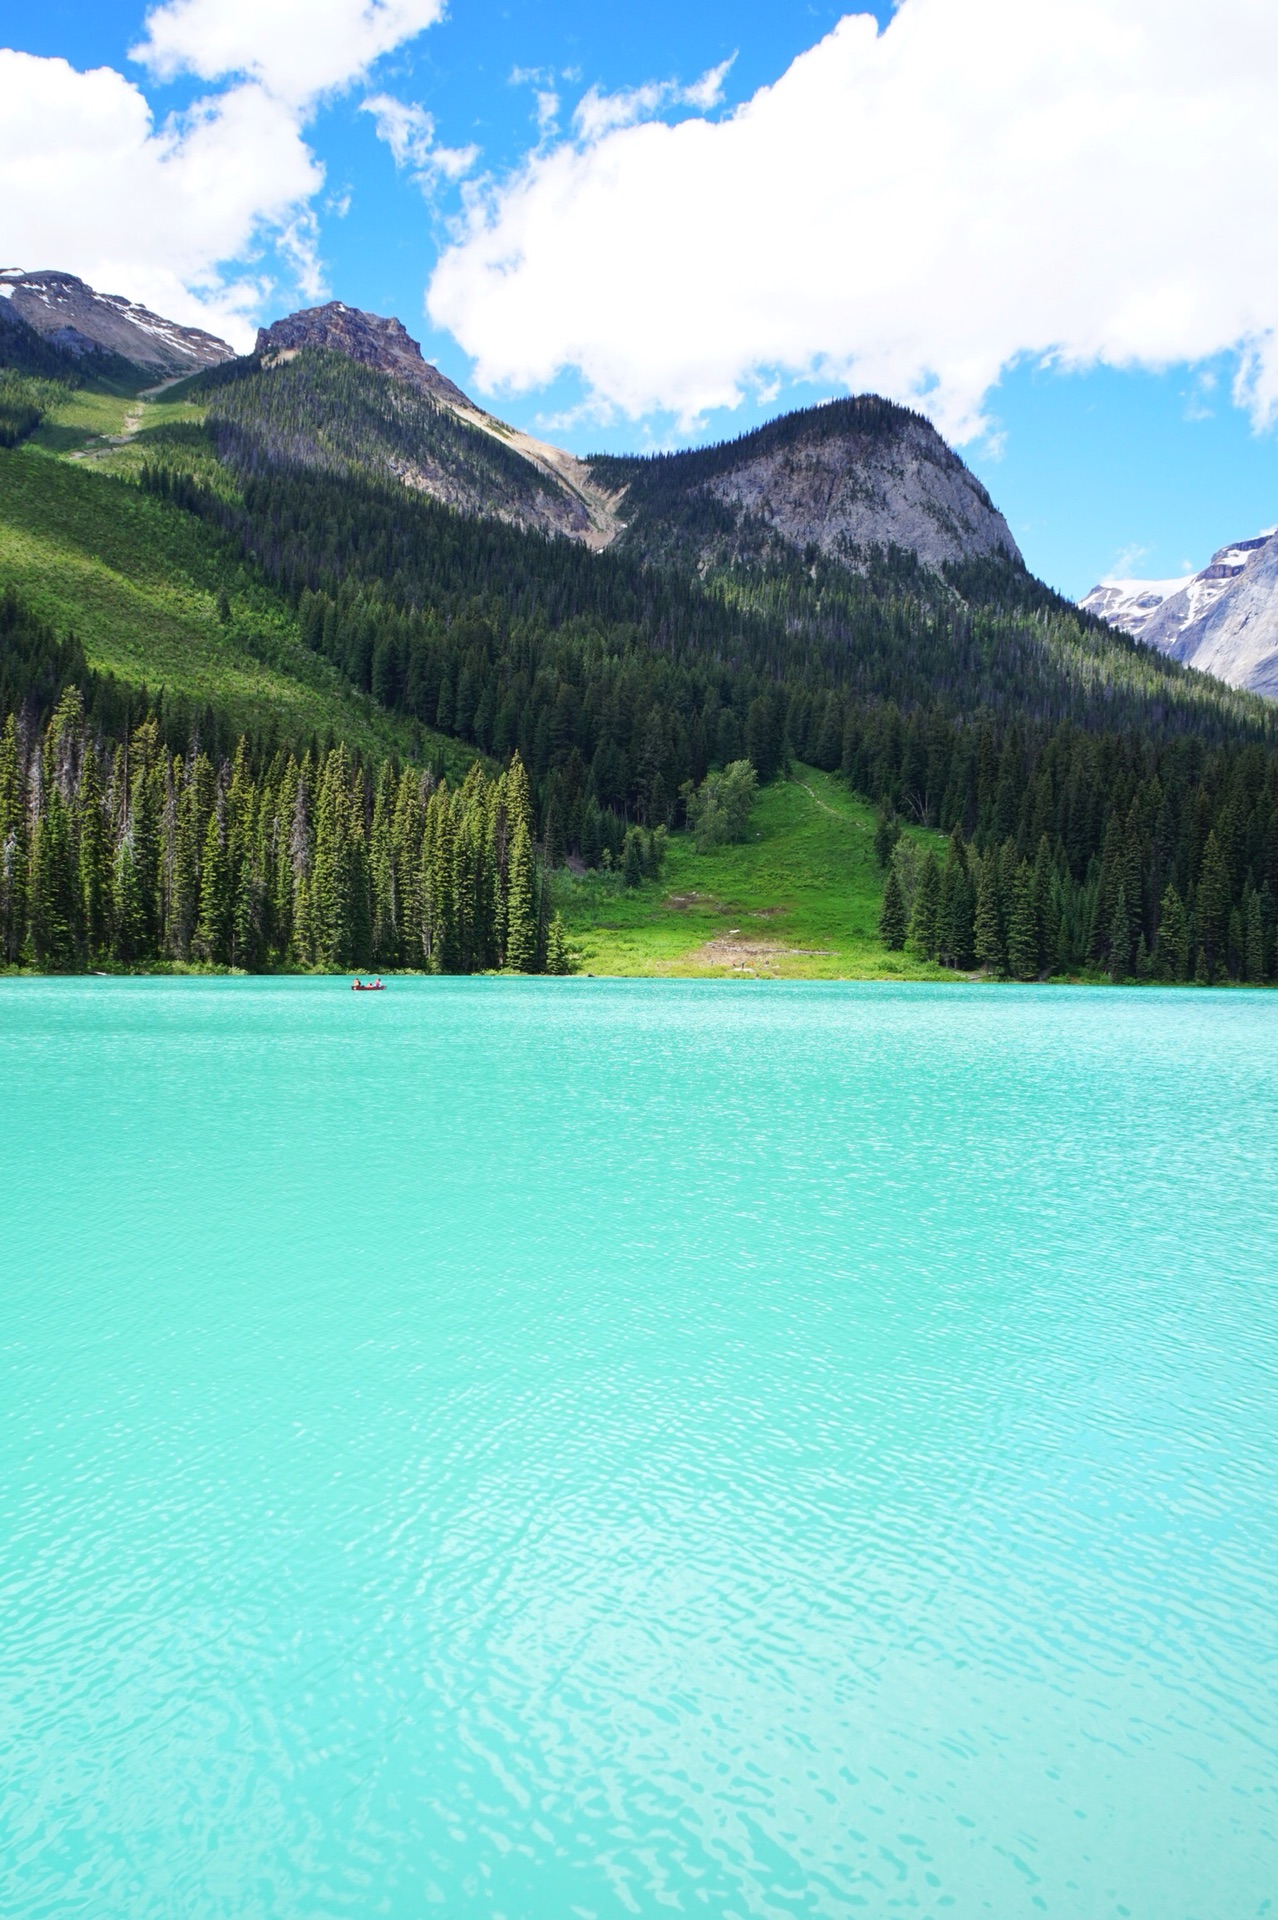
point(370, 338)
point(69, 313)
point(1222, 619)
point(842, 477)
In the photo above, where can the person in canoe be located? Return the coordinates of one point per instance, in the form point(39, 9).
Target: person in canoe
point(367, 986)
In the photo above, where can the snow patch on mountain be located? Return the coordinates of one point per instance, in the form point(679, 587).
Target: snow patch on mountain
point(1222, 620)
point(70, 314)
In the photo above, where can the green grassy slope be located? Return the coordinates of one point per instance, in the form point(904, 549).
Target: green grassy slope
point(799, 900)
point(138, 581)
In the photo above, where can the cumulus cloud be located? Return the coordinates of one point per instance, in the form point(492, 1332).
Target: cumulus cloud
point(91, 182)
point(296, 49)
point(409, 131)
point(911, 210)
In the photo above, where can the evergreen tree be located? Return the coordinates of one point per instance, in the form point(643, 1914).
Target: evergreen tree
point(558, 959)
point(1254, 970)
point(1119, 936)
point(1171, 949)
point(215, 928)
point(52, 902)
point(1022, 929)
point(13, 846)
point(128, 913)
point(892, 916)
point(926, 911)
point(887, 832)
point(987, 933)
point(632, 858)
point(1211, 907)
point(521, 910)
point(1045, 916)
point(95, 860)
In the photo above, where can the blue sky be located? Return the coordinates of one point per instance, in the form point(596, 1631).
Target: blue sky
point(1127, 464)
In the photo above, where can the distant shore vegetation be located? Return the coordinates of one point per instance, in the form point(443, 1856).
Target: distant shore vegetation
point(120, 846)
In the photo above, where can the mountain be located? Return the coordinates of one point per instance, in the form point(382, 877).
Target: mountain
point(1130, 604)
point(843, 478)
point(69, 315)
point(1222, 620)
point(554, 492)
point(326, 540)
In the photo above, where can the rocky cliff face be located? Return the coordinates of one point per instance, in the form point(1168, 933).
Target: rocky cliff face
point(841, 492)
point(844, 477)
point(1222, 620)
point(69, 314)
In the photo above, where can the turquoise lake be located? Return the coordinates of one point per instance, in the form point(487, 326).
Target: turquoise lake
point(580, 1448)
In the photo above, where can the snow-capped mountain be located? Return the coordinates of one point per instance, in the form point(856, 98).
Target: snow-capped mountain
point(1131, 604)
point(68, 313)
point(1223, 620)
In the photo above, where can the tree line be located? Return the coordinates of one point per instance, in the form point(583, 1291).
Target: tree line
point(123, 853)
point(1111, 854)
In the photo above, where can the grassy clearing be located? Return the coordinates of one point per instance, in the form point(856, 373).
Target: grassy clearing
point(138, 581)
point(799, 900)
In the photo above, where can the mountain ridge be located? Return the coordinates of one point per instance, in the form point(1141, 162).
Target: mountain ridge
point(1222, 620)
point(847, 476)
point(71, 315)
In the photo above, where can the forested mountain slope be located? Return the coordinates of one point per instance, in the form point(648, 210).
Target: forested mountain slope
point(278, 517)
point(432, 436)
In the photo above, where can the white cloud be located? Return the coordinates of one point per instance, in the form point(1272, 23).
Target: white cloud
point(599, 113)
point(162, 212)
point(409, 132)
point(296, 49)
point(89, 183)
point(707, 92)
point(910, 210)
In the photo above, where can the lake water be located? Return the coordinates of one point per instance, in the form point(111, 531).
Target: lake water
point(570, 1448)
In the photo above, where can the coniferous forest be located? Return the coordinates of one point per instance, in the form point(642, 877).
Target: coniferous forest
point(1106, 809)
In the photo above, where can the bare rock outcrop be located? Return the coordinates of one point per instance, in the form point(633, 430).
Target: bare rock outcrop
point(70, 314)
point(844, 491)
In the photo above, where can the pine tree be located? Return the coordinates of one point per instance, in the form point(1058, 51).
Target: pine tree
point(927, 906)
point(521, 906)
point(1045, 917)
point(144, 839)
point(128, 914)
point(52, 898)
point(13, 846)
point(632, 858)
point(987, 933)
point(1211, 906)
point(892, 916)
point(1254, 967)
point(557, 957)
point(95, 860)
point(1171, 949)
point(1119, 937)
point(1022, 928)
point(214, 932)
point(887, 832)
